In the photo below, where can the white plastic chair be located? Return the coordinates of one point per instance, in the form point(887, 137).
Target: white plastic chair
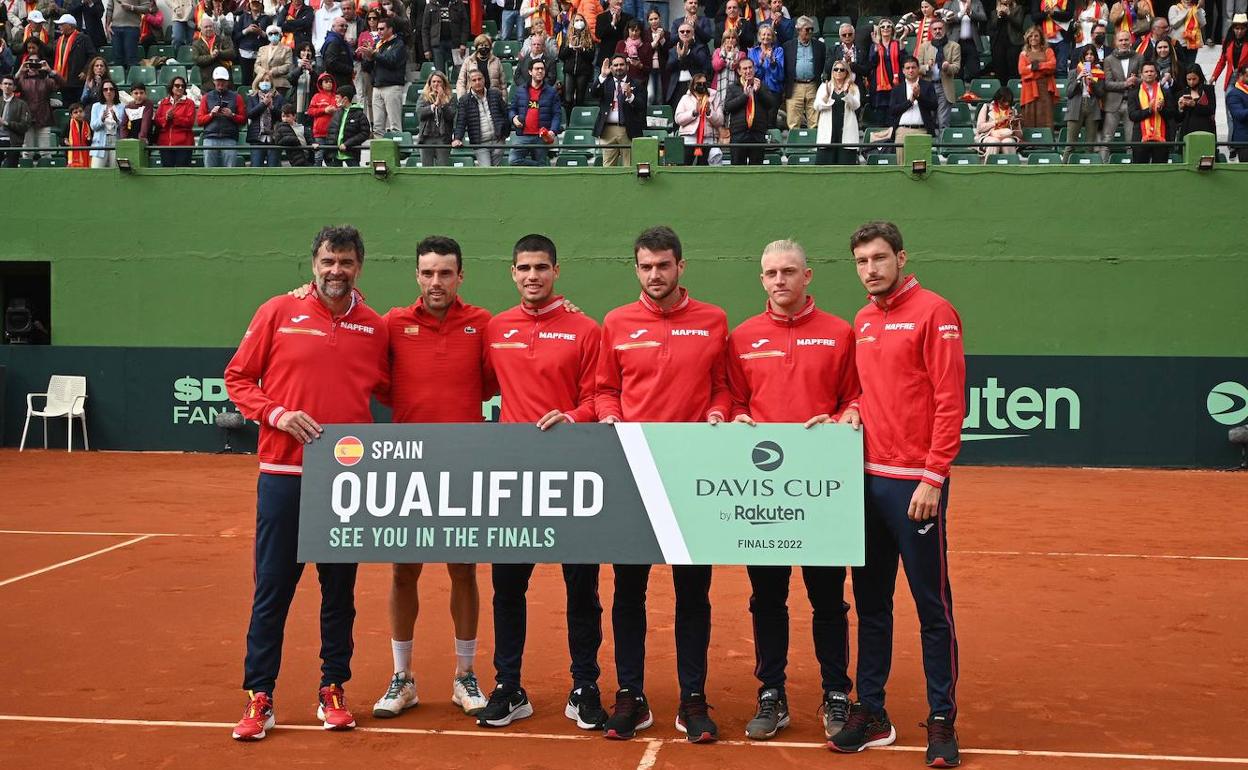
point(66, 397)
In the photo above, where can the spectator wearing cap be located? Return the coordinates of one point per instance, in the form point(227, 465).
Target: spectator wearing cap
point(273, 61)
point(211, 50)
point(35, 26)
point(1237, 114)
point(1234, 55)
point(1234, 12)
point(940, 62)
point(107, 117)
point(348, 130)
point(482, 117)
point(90, 17)
point(123, 20)
point(264, 112)
point(250, 35)
point(336, 53)
point(804, 61)
point(536, 116)
point(70, 54)
point(175, 120)
point(221, 114)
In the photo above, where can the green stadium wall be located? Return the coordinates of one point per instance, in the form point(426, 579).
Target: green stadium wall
point(1123, 284)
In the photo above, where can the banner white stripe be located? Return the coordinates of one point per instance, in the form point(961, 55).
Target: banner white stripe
point(653, 494)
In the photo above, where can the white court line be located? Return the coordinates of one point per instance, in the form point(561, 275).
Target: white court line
point(651, 756)
point(75, 560)
point(110, 534)
point(650, 744)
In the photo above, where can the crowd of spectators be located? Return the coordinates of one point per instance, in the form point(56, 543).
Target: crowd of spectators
point(311, 83)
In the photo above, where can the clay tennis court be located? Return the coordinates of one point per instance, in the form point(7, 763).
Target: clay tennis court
point(1101, 618)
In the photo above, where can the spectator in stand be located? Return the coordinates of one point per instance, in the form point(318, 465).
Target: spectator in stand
point(70, 54)
point(8, 64)
point(703, 27)
point(1187, 20)
point(1232, 9)
point(250, 35)
point(1234, 56)
point(1160, 31)
point(912, 106)
point(964, 26)
point(733, 20)
point(296, 20)
point(1152, 112)
point(637, 52)
point(183, 22)
point(536, 116)
point(921, 27)
point(885, 62)
point(1037, 66)
point(78, 134)
point(837, 101)
point(91, 80)
point(538, 30)
point(33, 49)
point(621, 111)
point(14, 120)
point(611, 28)
point(151, 28)
point(1122, 72)
point(699, 116)
point(389, 78)
point(998, 123)
point(137, 118)
point(211, 49)
point(511, 27)
point(323, 16)
point(436, 111)
point(175, 117)
point(273, 62)
point(37, 82)
point(482, 116)
point(348, 131)
point(221, 113)
point(106, 119)
point(222, 14)
point(292, 136)
point(367, 41)
point(538, 16)
point(1091, 13)
point(1085, 92)
point(590, 10)
point(35, 27)
point(562, 24)
point(1053, 18)
point(747, 106)
point(444, 31)
point(1169, 67)
point(122, 20)
point(940, 61)
point(321, 109)
point(724, 73)
point(355, 25)
point(685, 60)
point(659, 45)
point(89, 15)
point(784, 27)
point(1007, 39)
point(264, 112)
point(577, 55)
point(1104, 47)
point(540, 51)
point(1196, 103)
point(400, 22)
point(804, 61)
point(482, 59)
point(1133, 16)
point(1237, 114)
point(336, 54)
point(846, 50)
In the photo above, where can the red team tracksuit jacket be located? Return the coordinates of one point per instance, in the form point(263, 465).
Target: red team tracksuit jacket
point(544, 358)
point(789, 369)
point(664, 356)
point(437, 367)
point(308, 361)
point(913, 378)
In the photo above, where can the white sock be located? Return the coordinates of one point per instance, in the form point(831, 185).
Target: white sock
point(402, 652)
point(465, 653)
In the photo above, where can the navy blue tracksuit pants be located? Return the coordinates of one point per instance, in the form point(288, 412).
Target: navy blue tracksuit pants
point(511, 583)
point(277, 573)
point(693, 625)
point(921, 546)
point(825, 587)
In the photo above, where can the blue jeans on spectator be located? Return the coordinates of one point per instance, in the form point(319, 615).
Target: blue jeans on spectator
point(126, 45)
point(529, 150)
point(217, 156)
point(511, 26)
point(270, 158)
point(182, 33)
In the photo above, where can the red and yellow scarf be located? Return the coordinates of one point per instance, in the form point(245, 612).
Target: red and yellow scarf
point(65, 45)
point(39, 31)
point(891, 55)
point(1127, 22)
point(1241, 86)
point(1000, 115)
point(288, 38)
point(1098, 13)
point(749, 110)
point(1048, 27)
point(79, 136)
point(1152, 128)
point(1192, 36)
point(923, 33)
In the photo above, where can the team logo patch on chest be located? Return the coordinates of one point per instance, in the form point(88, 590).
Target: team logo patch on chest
point(411, 330)
point(300, 330)
point(556, 336)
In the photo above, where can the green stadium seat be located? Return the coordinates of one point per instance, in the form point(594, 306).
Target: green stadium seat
point(1120, 157)
point(463, 159)
point(1015, 85)
point(583, 117)
point(507, 49)
point(117, 74)
point(141, 74)
point(107, 52)
point(410, 121)
point(413, 161)
point(490, 27)
point(659, 116)
point(1176, 157)
point(961, 114)
point(169, 72)
point(167, 51)
point(156, 93)
point(963, 159)
point(1040, 139)
point(1044, 159)
point(802, 137)
point(60, 119)
point(186, 54)
point(958, 136)
point(882, 159)
point(509, 73)
point(194, 77)
point(236, 74)
point(801, 158)
point(984, 88)
point(773, 158)
point(1060, 111)
point(404, 138)
point(574, 159)
point(578, 137)
point(657, 133)
point(1061, 88)
point(1084, 159)
point(25, 163)
point(1003, 159)
point(672, 148)
point(832, 25)
point(413, 93)
point(52, 161)
point(959, 88)
point(426, 70)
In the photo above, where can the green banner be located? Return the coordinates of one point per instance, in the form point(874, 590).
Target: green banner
point(628, 494)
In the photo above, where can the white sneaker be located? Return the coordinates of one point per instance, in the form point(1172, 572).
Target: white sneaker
point(400, 696)
point(466, 694)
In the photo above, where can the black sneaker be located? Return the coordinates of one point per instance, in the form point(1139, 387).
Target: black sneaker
point(631, 713)
point(834, 711)
point(506, 705)
point(862, 730)
point(585, 708)
point(942, 742)
point(693, 720)
point(772, 716)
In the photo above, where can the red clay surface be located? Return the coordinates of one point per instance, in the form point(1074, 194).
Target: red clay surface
point(1066, 653)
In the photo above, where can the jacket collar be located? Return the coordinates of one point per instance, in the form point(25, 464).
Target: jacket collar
point(653, 308)
point(315, 297)
point(908, 284)
point(798, 318)
point(424, 316)
point(552, 305)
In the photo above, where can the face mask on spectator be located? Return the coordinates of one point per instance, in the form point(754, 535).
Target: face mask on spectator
point(579, 24)
point(699, 88)
point(1098, 39)
point(483, 51)
point(275, 39)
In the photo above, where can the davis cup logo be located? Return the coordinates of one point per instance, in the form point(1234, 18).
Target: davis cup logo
point(348, 451)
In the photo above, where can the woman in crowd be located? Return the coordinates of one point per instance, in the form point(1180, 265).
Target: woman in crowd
point(998, 123)
point(367, 40)
point(1006, 24)
point(107, 115)
point(577, 55)
point(1169, 68)
point(304, 81)
point(93, 78)
point(273, 62)
point(837, 102)
point(659, 45)
point(724, 65)
point(637, 52)
point(1037, 66)
point(1197, 104)
point(264, 112)
point(221, 12)
point(699, 115)
point(175, 121)
point(250, 35)
point(1084, 93)
point(436, 111)
point(921, 26)
point(886, 56)
point(482, 59)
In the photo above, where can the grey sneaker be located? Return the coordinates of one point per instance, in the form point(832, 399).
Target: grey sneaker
point(835, 711)
point(772, 716)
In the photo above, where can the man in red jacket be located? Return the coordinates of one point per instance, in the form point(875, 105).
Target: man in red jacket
point(438, 374)
point(913, 375)
point(794, 363)
point(546, 362)
point(303, 362)
point(662, 360)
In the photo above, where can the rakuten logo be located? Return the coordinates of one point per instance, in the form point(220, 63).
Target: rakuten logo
point(992, 412)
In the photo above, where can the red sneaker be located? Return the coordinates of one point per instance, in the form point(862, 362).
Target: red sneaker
point(332, 710)
point(257, 718)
